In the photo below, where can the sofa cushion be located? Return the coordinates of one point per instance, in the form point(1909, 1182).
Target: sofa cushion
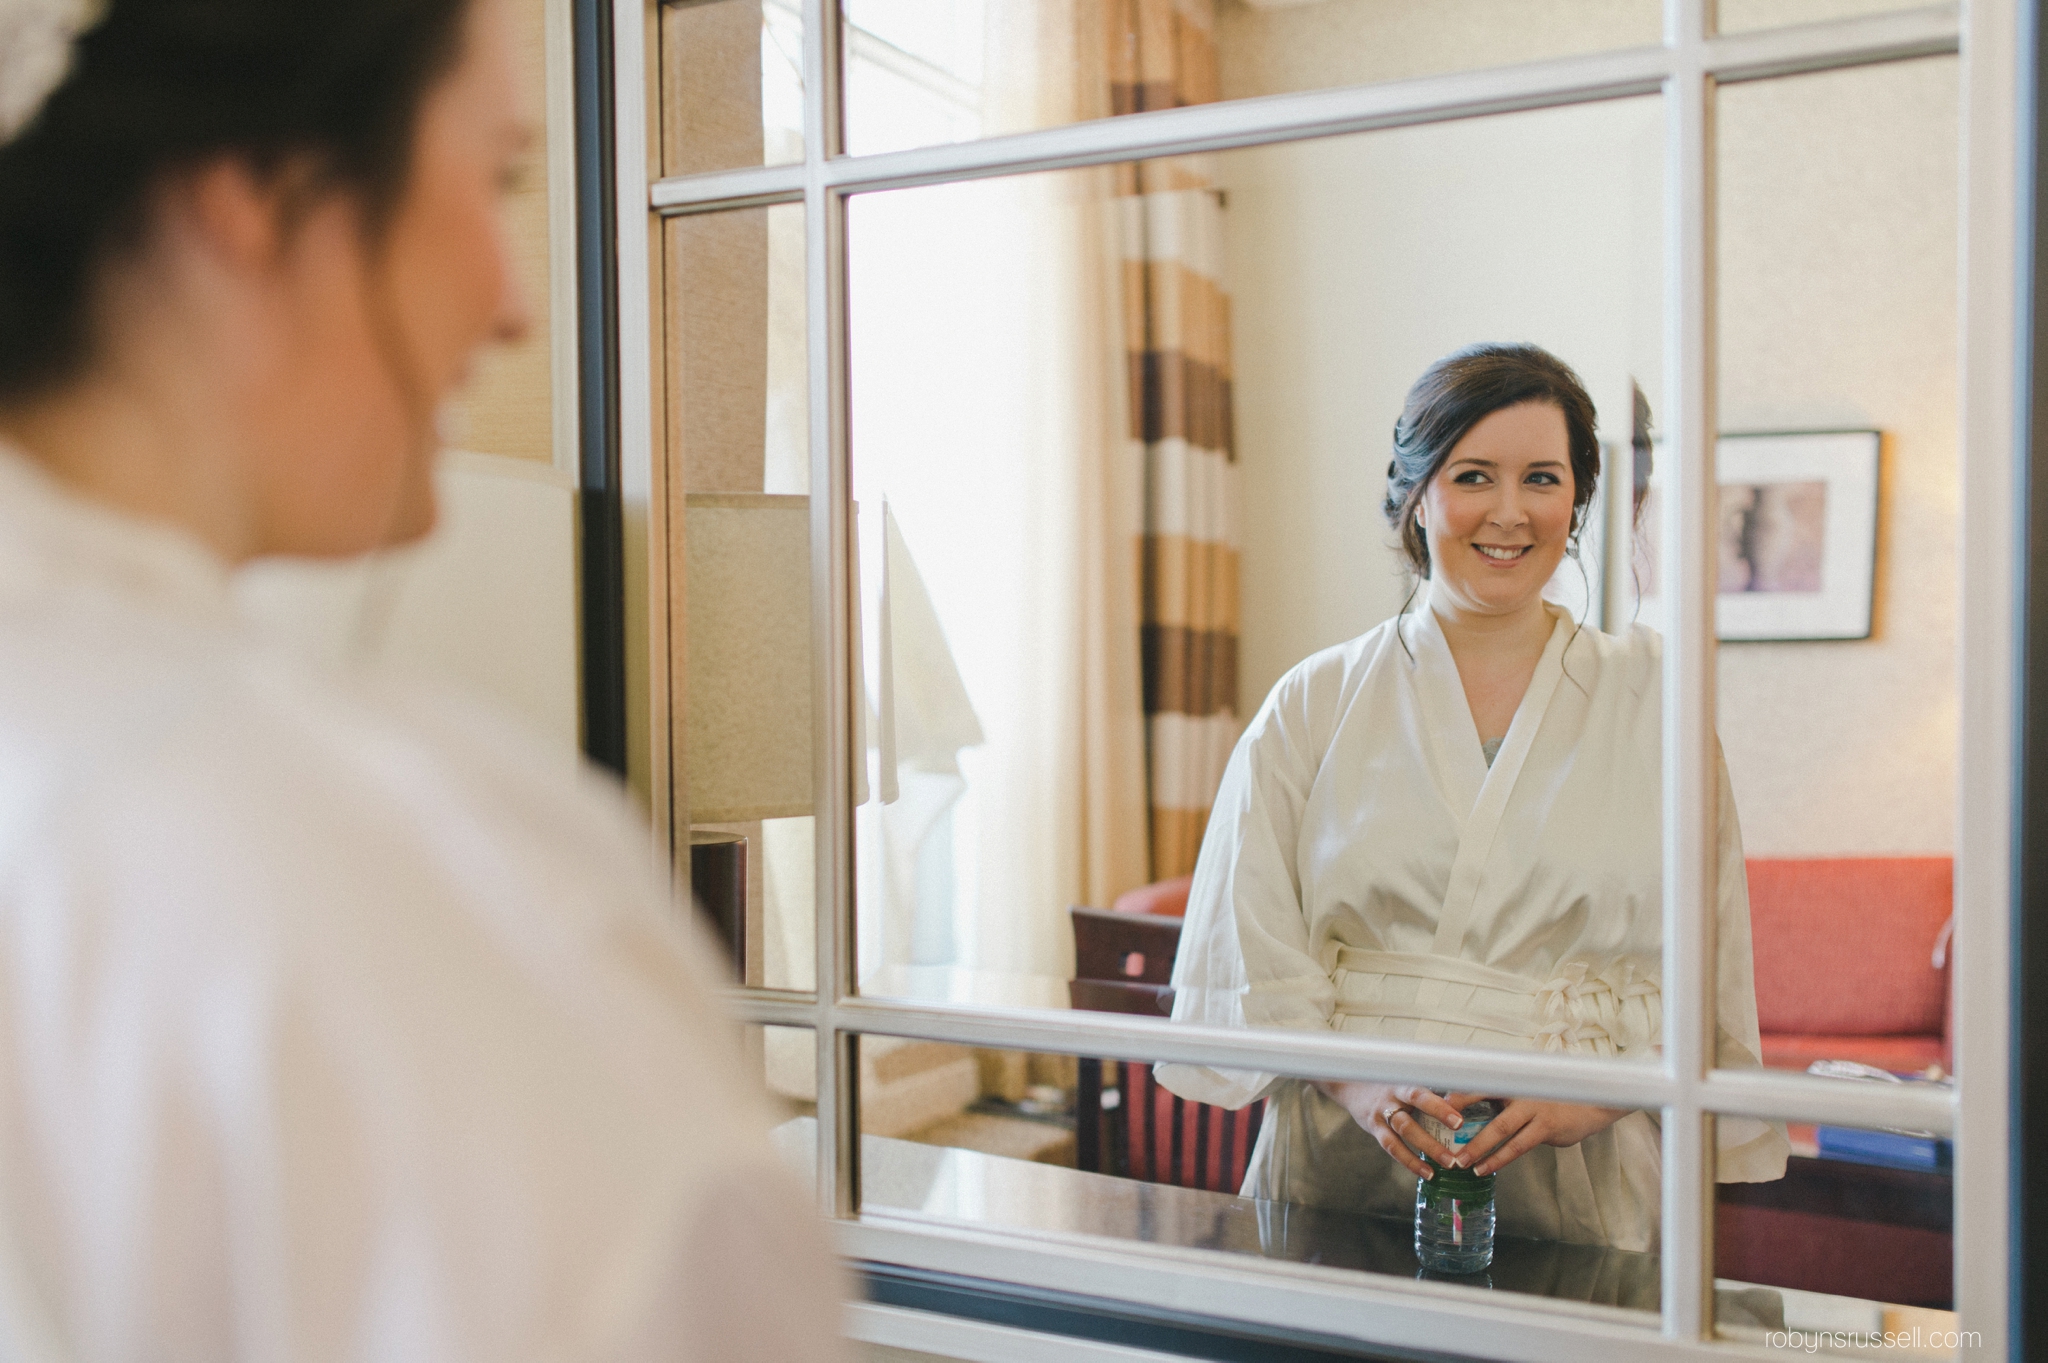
point(1797, 1050)
point(1844, 945)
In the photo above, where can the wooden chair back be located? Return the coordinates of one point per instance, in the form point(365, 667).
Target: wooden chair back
point(1123, 963)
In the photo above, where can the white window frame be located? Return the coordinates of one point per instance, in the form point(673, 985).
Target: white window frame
point(1686, 70)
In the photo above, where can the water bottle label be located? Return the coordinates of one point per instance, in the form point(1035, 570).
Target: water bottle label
point(1476, 1118)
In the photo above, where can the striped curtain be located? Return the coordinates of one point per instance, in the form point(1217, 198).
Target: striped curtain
point(1176, 323)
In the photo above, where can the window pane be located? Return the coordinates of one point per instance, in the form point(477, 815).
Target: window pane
point(1838, 669)
point(1852, 1252)
point(927, 71)
point(739, 557)
point(1120, 462)
point(731, 85)
point(1090, 1148)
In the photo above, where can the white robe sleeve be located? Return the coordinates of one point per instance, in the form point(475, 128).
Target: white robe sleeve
point(1245, 955)
point(324, 1036)
point(1749, 1150)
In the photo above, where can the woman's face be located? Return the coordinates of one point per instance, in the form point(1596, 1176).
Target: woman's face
point(1498, 514)
point(385, 326)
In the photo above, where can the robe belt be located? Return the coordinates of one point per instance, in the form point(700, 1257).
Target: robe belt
point(1614, 1007)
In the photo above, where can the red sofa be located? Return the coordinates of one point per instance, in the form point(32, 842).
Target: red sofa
point(1852, 961)
point(1845, 951)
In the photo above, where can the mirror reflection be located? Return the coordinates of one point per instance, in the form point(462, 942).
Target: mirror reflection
point(1259, 613)
point(1152, 622)
point(1119, 451)
point(1099, 1149)
point(1857, 1241)
point(1838, 692)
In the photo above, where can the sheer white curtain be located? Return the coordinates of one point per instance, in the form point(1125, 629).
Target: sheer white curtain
point(987, 409)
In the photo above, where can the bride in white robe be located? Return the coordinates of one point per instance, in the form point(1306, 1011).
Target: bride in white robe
point(1366, 869)
point(337, 1019)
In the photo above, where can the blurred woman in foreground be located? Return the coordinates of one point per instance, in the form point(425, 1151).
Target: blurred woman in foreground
point(334, 1021)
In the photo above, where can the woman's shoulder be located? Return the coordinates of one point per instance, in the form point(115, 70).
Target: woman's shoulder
point(1339, 663)
point(368, 833)
point(1631, 659)
point(235, 759)
point(1304, 707)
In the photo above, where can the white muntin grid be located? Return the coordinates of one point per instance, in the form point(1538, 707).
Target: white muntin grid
point(1686, 71)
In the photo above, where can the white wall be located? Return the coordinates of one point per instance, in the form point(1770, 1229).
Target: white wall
point(1355, 262)
point(1838, 309)
point(487, 604)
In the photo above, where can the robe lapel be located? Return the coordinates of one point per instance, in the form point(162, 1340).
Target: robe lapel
point(1448, 735)
point(1475, 842)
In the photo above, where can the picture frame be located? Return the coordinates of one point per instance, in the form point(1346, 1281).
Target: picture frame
point(1797, 535)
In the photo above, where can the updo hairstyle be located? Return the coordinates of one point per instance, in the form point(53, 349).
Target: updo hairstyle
point(326, 91)
point(1457, 393)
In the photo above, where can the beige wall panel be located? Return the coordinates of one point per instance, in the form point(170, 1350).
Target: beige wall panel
point(715, 342)
point(718, 349)
point(1344, 42)
point(711, 85)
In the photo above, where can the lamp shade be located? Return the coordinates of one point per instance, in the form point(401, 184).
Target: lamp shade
point(747, 671)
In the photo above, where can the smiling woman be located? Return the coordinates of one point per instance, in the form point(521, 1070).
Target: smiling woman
point(1447, 830)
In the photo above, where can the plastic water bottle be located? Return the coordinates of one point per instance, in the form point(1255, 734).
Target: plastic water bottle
point(1454, 1208)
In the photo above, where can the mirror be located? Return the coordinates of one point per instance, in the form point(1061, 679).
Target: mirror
point(1839, 666)
point(1120, 444)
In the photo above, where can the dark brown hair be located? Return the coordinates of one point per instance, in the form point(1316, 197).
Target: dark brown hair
point(328, 89)
point(1454, 395)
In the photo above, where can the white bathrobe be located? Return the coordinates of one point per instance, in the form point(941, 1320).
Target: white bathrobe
point(338, 1021)
point(1364, 869)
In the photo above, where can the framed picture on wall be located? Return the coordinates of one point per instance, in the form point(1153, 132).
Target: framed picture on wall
point(1797, 537)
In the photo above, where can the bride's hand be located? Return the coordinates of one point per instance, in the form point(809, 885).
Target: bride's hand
point(1387, 1114)
point(1526, 1123)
